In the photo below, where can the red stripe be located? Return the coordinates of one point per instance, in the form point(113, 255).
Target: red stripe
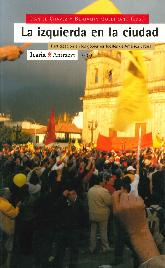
point(87, 18)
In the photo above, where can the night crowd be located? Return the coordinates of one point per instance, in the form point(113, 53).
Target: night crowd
point(56, 200)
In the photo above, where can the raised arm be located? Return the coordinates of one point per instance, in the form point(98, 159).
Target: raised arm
point(130, 211)
point(12, 52)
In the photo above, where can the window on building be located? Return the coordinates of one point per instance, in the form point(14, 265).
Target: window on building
point(110, 75)
point(96, 75)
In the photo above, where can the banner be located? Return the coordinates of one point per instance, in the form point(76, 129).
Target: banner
point(147, 140)
point(123, 143)
point(104, 143)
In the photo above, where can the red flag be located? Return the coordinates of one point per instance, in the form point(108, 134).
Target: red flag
point(50, 136)
point(104, 143)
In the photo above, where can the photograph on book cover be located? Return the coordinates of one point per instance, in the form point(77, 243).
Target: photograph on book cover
point(82, 134)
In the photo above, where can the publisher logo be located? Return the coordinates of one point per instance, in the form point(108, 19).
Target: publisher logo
point(60, 55)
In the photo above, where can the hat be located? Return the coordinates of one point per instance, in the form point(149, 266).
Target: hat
point(130, 168)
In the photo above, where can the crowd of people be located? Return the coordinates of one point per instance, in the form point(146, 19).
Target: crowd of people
point(53, 199)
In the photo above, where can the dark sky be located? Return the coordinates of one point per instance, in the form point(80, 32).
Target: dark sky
point(30, 89)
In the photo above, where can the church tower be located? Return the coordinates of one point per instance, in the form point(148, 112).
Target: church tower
point(103, 81)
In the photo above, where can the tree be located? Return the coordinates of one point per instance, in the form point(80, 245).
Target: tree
point(8, 135)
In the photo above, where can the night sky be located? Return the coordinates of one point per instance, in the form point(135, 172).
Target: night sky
point(29, 89)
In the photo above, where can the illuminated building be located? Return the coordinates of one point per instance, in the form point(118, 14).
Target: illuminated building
point(104, 79)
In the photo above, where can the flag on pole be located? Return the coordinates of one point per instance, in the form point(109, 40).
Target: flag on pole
point(133, 101)
point(139, 143)
point(77, 145)
point(157, 141)
point(50, 136)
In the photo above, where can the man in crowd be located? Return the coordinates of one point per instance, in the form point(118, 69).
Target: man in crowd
point(99, 201)
point(133, 174)
point(70, 221)
point(158, 185)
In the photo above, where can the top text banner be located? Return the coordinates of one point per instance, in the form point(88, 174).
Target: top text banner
point(89, 19)
point(87, 33)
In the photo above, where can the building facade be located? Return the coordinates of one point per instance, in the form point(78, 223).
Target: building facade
point(64, 132)
point(4, 118)
point(104, 79)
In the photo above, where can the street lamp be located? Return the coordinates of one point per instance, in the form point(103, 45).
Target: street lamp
point(92, 125)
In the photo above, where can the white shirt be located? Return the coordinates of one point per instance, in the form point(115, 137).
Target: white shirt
point(134, 185)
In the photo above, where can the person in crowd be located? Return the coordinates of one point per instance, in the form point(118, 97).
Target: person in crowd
point(100, 162)
point(117, 175)
point(99, 201)
point(28, 214)
point(158, 184)
point(69, 224)
point(8, 213)
point(121, 237)
point(89, 170)
point(133, 173)
point(44, 176)
point(18, 188)
point(18, 165)
point(56, 180)
point(109, 183)
point(153, 169)
point(144, 182)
